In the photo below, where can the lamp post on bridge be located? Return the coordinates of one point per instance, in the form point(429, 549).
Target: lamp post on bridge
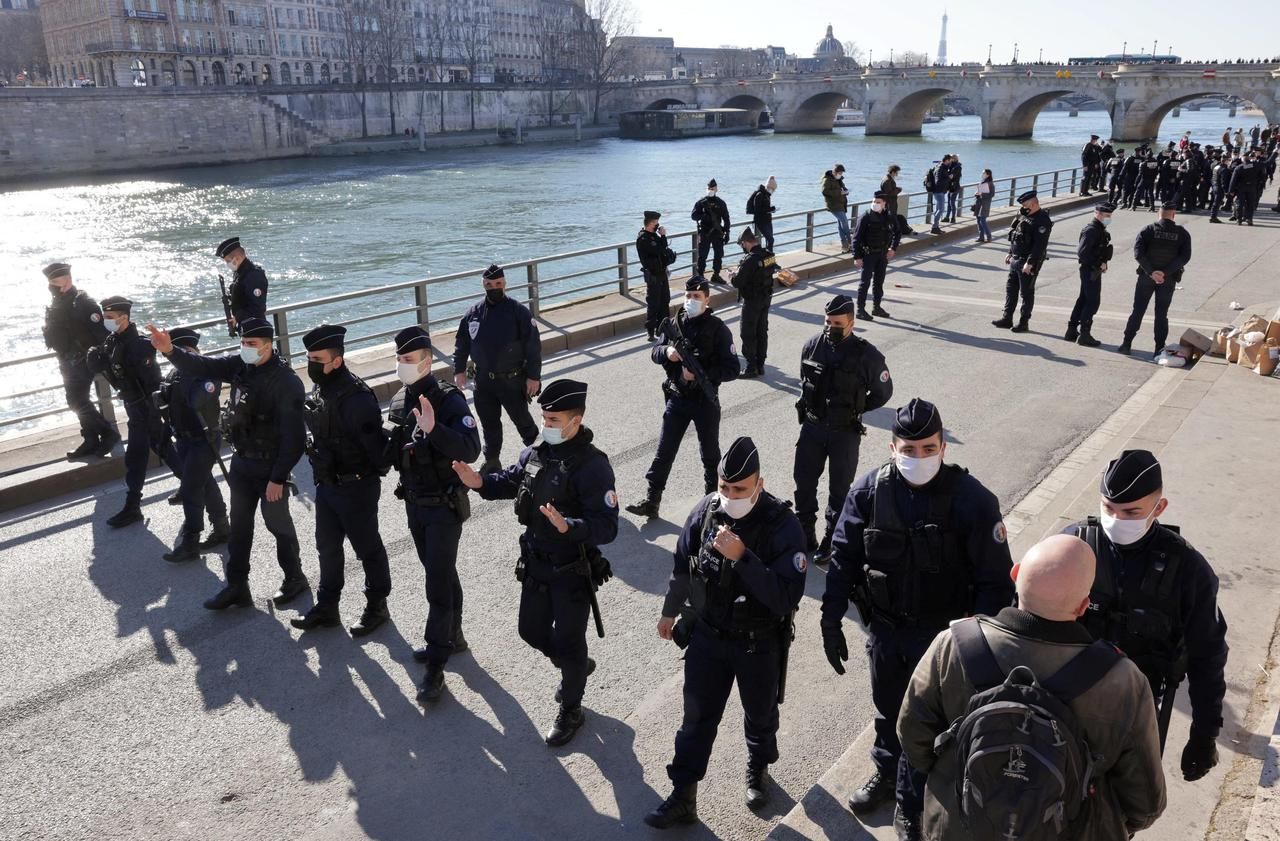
point(1124, 51)
point(1015, 52)
point(1040, 58)
point(1155, 50)
point(988, 55)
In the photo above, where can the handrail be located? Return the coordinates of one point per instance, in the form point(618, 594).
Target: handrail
point(620, 270)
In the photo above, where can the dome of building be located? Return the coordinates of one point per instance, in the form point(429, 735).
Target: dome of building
point(829, 47)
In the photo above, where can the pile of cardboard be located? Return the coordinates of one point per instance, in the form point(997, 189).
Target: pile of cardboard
point(1254, 344)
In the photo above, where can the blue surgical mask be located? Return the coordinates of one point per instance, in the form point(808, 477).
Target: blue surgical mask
point(250, 354)
point(111, 324)
point(693, 307)
point(1106, 223)
point(553, 435)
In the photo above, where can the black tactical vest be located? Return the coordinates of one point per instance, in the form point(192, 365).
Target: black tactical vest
point(717, 595)
point(1164, 245)
point(249, 418)
point(333, 450)
point(546, 481)
point(876, 232)
point(428, 466)
point(833, 393)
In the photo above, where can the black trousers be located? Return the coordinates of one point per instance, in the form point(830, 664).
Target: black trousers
point(711, 667)
point(893, 655)
point(492, 397)
point(1127, 192)
point(139, 444)
point(710, 242)
point(248, 480)
point(77, 383)
point(196, 485)
point(1146, 194)
point(350, 512)
point(1089, 299)
point(1017, 284)
point(764, 228)
point(436, 532)
point(873, 269)
point(680, 411)
point(838, 449)
point(657, 299)
point(1142, 294)
point(755, 330)
point(554, 610)
point(1246, 204)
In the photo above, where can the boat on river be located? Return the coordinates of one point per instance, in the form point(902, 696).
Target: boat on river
point(675, 123)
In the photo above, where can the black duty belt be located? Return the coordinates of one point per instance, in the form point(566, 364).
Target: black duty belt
point(428, 500)
point(504, 375)
point(345, 478)
point(256, 455)
point(189, 436)
point(767, 632)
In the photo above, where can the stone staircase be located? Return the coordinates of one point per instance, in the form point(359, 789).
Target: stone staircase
point(315, 135)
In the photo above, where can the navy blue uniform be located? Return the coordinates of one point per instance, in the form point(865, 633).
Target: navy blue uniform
point(754, 282)
point(1092, 251)
point(686, 401)
point(908, 594)
point(1028, 242)
point(72, 326)
point(248, 292)
point(1247, 181)
point(346, 447)
point(1161, 246)
point(712, 216)
point(503, 341)
point(192, 414)
point(838, 383)
point(263, 421)
point(555, 605)
point(651, 250)
point(435, 501)
point(741, 614)
point(760, 206)
point(875, 235)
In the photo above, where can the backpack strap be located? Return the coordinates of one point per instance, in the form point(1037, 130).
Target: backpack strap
point(1082, 671)
point(976, 658)
point(1104, 582)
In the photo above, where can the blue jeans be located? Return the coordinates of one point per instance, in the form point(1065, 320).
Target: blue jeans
point(953, 199)
point(842, 222)
point(983, 230)
point(939, 205)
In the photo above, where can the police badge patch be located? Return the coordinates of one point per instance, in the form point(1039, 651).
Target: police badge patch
point(95, 317)
point(208, 386)
point(884, 376)
point(800, 561)
point(999, 534)
point(611, 498)
point(473, 327)
point(469, 422)
point(257, 293)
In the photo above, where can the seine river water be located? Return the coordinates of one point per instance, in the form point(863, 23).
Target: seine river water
point(323, 226)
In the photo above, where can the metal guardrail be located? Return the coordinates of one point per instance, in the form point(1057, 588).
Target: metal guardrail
point(584, 274)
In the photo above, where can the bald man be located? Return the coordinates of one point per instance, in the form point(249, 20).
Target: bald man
point(1114, 712)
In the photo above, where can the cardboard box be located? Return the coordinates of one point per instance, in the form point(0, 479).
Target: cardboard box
point(1269, 359)
point(1273, 329)
point(1197, 340)
point(1219, 346)
point(1232, 352)
point(1250, 354)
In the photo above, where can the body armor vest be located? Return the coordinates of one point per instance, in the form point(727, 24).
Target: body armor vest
point(172, 399)
point(333, 450)
point(1164, 245)
point(876, 233)
point(834, 392)
point(715, 592)
point(428, 466)
point(546, 481)
point(248, 419)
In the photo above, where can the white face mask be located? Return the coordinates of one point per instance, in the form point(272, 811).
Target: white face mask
point(553, 435)
point(918, 471)
point(693, 307)
point(1123, 532)
point(408, 372)
point(111, 324)
point(736, 509)
point(711, 192)
point(250, 354)
point(878, 207)
point(1106, 223)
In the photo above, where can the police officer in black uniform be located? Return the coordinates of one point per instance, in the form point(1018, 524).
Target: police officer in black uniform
point(875, 239)
point(1028, 241)
point(346, 447)
point(1156, 598)
point(499, 336)
point(1150, 171)
point(565, 498)
point(189, 405)
point(918, 544)
point(737, 580)
point(842, 376)
point(1091, 160)
point(1162, 250)
point(1093, 252)
point(696, 351)
point(73, 325)
point(1129, 178)
point(248, 288)
point(712, 216)
point(263, 420)
point(431, 428)
point(655, 256)
point(754, 281)
point(128, 362)
point(1246, 185)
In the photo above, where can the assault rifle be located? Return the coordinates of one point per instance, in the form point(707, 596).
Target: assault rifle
point(689, 359)
point(233, 327)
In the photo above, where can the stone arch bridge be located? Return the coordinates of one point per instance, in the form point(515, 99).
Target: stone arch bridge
point(1007, 98)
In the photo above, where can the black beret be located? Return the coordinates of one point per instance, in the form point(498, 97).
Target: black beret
point(840, 305)
point(711, 183)
point(916, 420)
point(411, 339)
point(1132, 476)
point(57, 270)
point(1105, 207)
point(697, 284)
point(563, 396)
point(1169, 204)
point(740, 460)
point(184, 336)
point(227, 246)
point(325, 337)
point(879, 195)
point(117, 303)
point(652, 215)
point(257, 328)
point(493, 272)
point(748, 235)
point(1027, 196)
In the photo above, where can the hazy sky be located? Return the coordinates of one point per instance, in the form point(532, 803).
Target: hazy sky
point(1191, 28)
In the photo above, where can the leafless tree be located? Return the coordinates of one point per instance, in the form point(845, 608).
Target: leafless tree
point(552, 43)
point(603, 59)
point(435, 38)
point(853, 53)
point(392, 39)
point(22, 45)
point(471, 31)
point(359, 33)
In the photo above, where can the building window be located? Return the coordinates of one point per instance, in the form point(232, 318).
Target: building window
point(231, 15)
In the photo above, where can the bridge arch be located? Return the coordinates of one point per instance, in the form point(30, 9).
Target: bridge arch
point(1016, 117)
point(902, 114)
point(816, 112)
point(747, 102)
point(1140, 118)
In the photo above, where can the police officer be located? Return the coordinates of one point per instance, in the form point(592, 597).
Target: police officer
point(1156, 598)
point(1091, 160)
point(1162, 250)
point(1219, 187)
point(128, 362)
point(1129, 176)
point(740, 568)
point(842, 376)
point(654, 255)
point(1147, 181)
point(432, 427)
point(346, 445)
point(875, 239)
point(189, 405)
point(1246, 185)
point(918, 544)
point(1093, 252)
point(565, 499)
point(1028, 241)
point(73, 325)
point(760, 206)
point(1115, 176)
point(712, 216)
point(754, 282)
point(696, 352)
point(263, 420)
point(248, 288)
point(499, 336)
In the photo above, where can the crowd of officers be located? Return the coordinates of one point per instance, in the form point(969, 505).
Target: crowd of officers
point(913, 544)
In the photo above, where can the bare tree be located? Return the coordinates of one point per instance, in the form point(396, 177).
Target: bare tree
point(392, 37)
point(911, 59)
point(22, 45)
point(471, 30)
point(434, 41)
point(853, 53)
point(553, 49)
point(603, 59)
point(359, 33)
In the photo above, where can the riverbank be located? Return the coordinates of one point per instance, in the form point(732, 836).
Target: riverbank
point(463, 140)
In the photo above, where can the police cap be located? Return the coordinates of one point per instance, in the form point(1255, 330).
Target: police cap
point(652, 216)
point(563, 396)
point(325, 337)
point(1132, 476)
point(711, 185)
point(412, 338)
point(184, 336)
point(839, 305)
point(748, 235)
point(740, 460)
point(1093, 137)
point(56, 270)
point(879, 194)
point(1027, 196)
point(117, 303)
point(1169, 204)
point(494, 272)
point(916, 420)
point(257, 328)
point(1105, 207)
point(227, 246)
point(697, 284)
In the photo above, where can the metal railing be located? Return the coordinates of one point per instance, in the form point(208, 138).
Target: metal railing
point(545, 283)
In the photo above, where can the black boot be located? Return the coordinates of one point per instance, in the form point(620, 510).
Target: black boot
point(232, 595)
point(907, 826)
point(823, 556)
point(879, 311)
point(218, 534)
point(757, 779)
point(432, 685)
point(321, 615)
point(1072, 333)
point(184, 548)
point(294, 585)
point(375, 614)
point(568, 721)
point(87, 447)
point(460, 643)
point(680, 807)
point(810, 536)
point(879, 788)
point(1215, 220)
point(1004, 321)
point(175, 498)
point(1021, 327)
point(647, 507)
point(1086, 336)
point(863, 315)
point(1124, 348)
point(107, 442)
point(131, 513)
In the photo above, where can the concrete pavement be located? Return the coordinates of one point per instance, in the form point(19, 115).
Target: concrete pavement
point(130, 712)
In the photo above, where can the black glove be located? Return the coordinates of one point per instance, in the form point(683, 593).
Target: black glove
point(834, 645)
point(601, 571)
point(1198, 757)
point(682, 631)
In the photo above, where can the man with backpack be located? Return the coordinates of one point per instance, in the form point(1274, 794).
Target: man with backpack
point(760, 208)
point(937, 181)
point(994, 775)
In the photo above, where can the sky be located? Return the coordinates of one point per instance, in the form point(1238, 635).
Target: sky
point(1054, 27)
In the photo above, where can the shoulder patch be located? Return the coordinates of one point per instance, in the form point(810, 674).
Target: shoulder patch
point(733, 349)
point(473, 327)
point(800, 561)
point(884, 375)
point(469, 422)
point(95, 317)
point(999, 533)
point(257, 292)
point(611, 498)
point(208, 386)
point(1043, 229)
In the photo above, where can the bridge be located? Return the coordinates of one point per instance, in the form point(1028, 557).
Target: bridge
point(1007, 97)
